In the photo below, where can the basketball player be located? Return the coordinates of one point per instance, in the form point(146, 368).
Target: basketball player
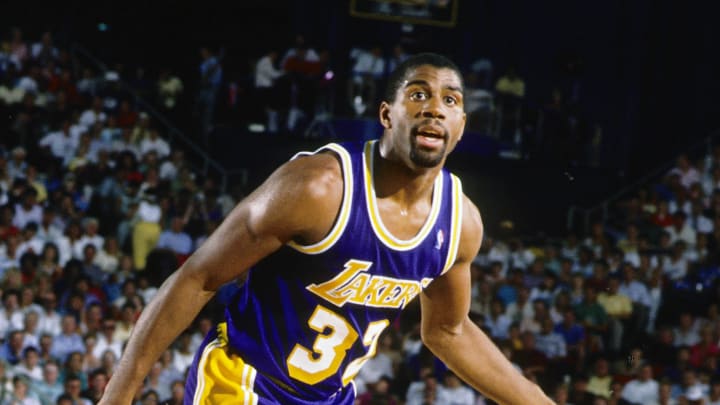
point(339, 242)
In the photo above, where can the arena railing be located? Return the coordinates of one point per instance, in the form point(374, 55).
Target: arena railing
point(601, 210)
point(176, 136)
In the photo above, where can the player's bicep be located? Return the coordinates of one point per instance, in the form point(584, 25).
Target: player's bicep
point(445, 303)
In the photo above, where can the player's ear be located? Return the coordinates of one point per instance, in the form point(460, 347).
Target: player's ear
point(385, 115)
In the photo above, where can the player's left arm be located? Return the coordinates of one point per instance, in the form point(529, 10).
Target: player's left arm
point(450, 334)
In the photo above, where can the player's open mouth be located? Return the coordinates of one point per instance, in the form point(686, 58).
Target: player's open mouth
point(430, 136)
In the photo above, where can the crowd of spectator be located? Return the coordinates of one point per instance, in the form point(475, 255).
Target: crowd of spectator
point(97, 207)
point(95, 204)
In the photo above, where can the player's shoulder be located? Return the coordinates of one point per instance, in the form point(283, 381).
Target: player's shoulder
point(315, 177)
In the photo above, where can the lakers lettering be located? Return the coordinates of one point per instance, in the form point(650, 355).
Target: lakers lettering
point(356, 286)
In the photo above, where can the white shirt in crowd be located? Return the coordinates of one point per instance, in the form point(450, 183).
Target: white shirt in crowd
point(461, 395)
point(158, 145)
point(373, 370)
point(89, 117)
point(641, 392)
point(49, 323)
point(95, 240)
point(266, 73)
point(148, 212)
point(23, 217)
point(61, 145)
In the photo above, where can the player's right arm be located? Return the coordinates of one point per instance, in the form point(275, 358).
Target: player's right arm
point(298, 202)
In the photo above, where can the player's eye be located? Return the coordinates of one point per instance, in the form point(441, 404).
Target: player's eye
point(418, 96)
point(450, 100)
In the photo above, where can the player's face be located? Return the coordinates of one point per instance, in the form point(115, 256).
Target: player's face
point(427, 118)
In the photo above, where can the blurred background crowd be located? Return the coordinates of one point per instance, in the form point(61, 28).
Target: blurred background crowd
point(108, 182)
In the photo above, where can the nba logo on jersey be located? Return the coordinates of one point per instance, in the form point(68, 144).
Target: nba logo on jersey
point(439, 239)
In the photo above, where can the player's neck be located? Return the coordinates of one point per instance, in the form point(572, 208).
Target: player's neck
point(394, 179)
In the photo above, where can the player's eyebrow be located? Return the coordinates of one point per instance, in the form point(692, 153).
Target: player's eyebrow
point(421, 82)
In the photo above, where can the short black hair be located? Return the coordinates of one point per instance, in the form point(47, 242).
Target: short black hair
point(400, 73)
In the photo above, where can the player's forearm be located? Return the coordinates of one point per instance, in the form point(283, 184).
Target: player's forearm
point(476, 359)
point(176, 304)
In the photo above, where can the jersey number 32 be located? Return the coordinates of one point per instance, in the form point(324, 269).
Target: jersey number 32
point(329, 349)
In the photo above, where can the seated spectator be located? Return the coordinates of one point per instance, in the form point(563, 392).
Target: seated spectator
point(681, 229)
point(73, 388)
point(154, 384)
point(639, 296)
point(12, 350)
point(94, 114)
point(49, 388)
point(127, 117)
point(169, 169)
point(378, 367)
point(30, 365)
point(48, 229)
point(572, 332)
point(69, 340)
point(497, 322)
point(21, 393)
point(17, 165)
point(541, 313)
point(378, 393)
point(124, 326)
point(182, 356)
point(706, 347)
point(643, 389)
point(585, 262)
point(619, 310)
point(30, 330)
point(108, 258)
point(547, 289)
point(28, 210)
point(550, 342)
point(91, 270)
point(96, 386)
point(686, 334)
point(455, 391)
point(176, 239)
point(714, 395)
point(686, 171)
point(522, 308)
point(578, 392)
point(11, 316)
point(675, 267)
point(49, 319)
point(690, 386)
point(598, 279)
point(532, 361)
point(425, 391)
point(154, 142)
point(600, 380)
point(592, 315)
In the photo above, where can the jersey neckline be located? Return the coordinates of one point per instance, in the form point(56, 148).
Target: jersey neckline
point(378, 226)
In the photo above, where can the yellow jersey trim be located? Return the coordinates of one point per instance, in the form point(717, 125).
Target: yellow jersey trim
point(382, 233)
point(339, 227)
point(457, 214)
